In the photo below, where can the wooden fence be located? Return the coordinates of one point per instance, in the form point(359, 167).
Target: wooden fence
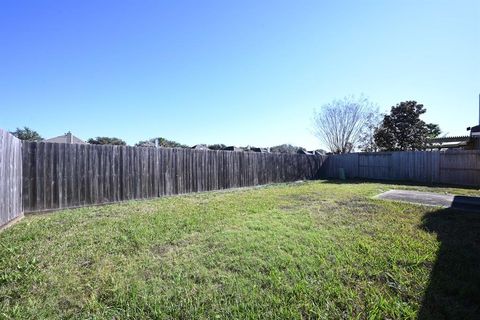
point(10, 178)
point(456, 167)
point(72, 175)
point(42, 176)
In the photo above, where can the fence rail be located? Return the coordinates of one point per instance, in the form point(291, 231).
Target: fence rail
point(456, 167)
point(10, 178)
point(71, 175)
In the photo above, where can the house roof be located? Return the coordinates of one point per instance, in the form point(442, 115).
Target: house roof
point(256, 149)
point(200, 147)
point(448, 145)
point(66, 138)
point(449, 139)
point(232, 148)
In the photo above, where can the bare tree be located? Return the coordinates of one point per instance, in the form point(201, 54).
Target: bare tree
point(367, 136)
point(341, 123)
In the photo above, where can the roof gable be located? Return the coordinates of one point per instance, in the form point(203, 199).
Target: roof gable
point(66, 138)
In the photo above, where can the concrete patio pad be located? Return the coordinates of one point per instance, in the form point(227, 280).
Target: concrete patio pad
point(433, 199)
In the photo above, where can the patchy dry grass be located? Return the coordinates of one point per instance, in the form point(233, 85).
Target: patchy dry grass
point(311, 250)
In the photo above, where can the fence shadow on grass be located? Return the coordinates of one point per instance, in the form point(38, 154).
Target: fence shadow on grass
point(454, 287)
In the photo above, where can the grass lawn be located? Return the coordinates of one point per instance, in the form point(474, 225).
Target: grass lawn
point(302, 250)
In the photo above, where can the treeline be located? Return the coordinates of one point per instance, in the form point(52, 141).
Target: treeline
point(28, 134)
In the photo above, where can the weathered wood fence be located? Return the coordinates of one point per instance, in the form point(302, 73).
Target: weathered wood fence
point(38, 176)
point(72, 175)
point(10, 178)
point(456, 167)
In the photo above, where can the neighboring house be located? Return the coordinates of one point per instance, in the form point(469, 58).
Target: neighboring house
point(262, 150)
point(200, 147)
point(232, 148)
point(66, 138)
point(475, 136)
point(301, 151)
point(312, 152)
point(470, 142)
point(460, 142)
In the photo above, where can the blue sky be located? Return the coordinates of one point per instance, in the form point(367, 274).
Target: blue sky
point(239, 73)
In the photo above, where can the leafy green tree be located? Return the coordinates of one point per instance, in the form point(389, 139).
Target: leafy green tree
point(107, 140)
point(403, 129)
point(27, 134)
point(433, 130)
point(285, 148)
point(162, 142)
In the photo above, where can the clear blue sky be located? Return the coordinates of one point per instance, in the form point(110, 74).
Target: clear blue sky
point(234, 72)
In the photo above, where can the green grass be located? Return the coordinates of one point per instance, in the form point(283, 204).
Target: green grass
point(301, 250)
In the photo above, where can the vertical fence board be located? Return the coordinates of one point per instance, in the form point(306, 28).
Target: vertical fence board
point(11, 169)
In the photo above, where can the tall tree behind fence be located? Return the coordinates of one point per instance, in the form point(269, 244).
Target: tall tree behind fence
point(71, 175)
point(10, 178)
point(458, 167)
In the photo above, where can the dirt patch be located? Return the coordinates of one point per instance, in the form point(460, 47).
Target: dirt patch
point(162, 250)
point(306, 197)
point(295, 202)
point(357, 205)
point(289, 207)
point(317, 203)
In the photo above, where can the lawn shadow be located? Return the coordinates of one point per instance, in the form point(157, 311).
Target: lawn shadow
point(454, 286)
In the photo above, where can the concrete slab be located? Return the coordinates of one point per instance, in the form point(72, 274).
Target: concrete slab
point(433, 199)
